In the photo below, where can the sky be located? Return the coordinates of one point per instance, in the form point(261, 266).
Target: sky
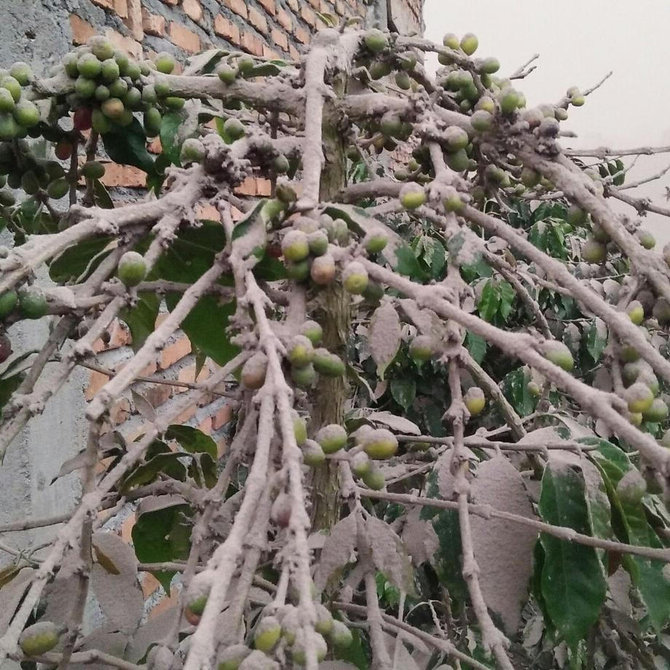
point(579, 41)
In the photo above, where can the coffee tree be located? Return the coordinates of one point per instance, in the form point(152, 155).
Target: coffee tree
point(445, 351)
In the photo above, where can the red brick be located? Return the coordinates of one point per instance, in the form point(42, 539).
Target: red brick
point(340, 8)
point(127, 44)
point(270, 53)
point(251, 43)
point(222, 417)
point(302, 35)
point(293, 52)
point(206, 425)
point(294, 5)
point(254, 186)
point(123, 175)
point(258, 20)
point(237, 6)
point(308, 16)
point(226, 29)
point(158, 394)
point(285, 20)
point(279, 38)
point(175, 352)
point(134, 19)
point(95, 382)
point(153, 24)
point(314, 3)
point(184, 38)
point(269, 6)
point(172, 3)
point(105, 4)
point(193, 9)
point(81, 30)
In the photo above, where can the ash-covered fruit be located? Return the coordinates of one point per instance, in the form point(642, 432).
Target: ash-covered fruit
point(559, 354)
point(159, 658)
point(164, 62)
point(312, 453)
point(355, 278)
point(474, 400)
point(469, 43)
point(313, 331)
point(227, 74)
point(324, 620)
point(458, 160)
point(300, 351)
point(376, 41)
point(635, 312)
point(304, 377)
point(7, 103)
point(421, 348)
point(12, 86)
point(254, 371)
point(33, 304)
point(174, 103)
point(374, 478)
point(299, 648)
point(152, 121)
point(455, 138)
point(318, 242)
point(8, 301)
point(639, 397)
point(39, 638)
point(489, 65)
point(298, 271)
point(412, 196)
point(231, 658)
point(328, 364)
point(132, 268)
point(380, 444)
point(375, 242)
point(5, 348)
point(295, 246)
point(322, 270)
point(299, 428)
point(646, 239)
point(482, 121)
point(631, 487)
point(267, 634)
point(340, 636)
point(594, 251)
point(192, 151)
point(26, 113)
point(332, 438)
point(113, 108)
point(510, 101)
point(22, 72)
point(529, 177)
point(233, 129)
point(657, 412)
point(360, 464)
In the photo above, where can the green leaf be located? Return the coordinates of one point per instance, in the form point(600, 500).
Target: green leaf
point(507, 298)
point(127, 146)
point(8, 385)
point(476, 346)
point(243, 225)
point(169, 136)
point(162, 535)
point(141, 319)
point(192, 440)
point(102, 197)
point(403, 391)
point(573, 581)
point(489, 302)
point(596, 339)
point(515, 388)
point(206, 326)
point(77, 259)
point(203, 465)
point(407, 263)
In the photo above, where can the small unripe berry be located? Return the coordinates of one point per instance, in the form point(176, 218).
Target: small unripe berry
point(313, 331)
point(318, 242)
point(469, 43)
point(375, 241)
point(644, 237)
point(635, 312)
point(474, 400)
point(412, 195)
point(312, 453)
point(165, 62)
point(328, 364)
point(233, 129)
point(374, 478)
point(267, 634)
point(299, 428)
point(322, 270)
point(375, 40)
point(295, 245)
point(355, 278)
point(560, 355)
point(380, 444)
point(32, 304)
point(254, 371)
point(332, 438)
point(360, 464)
point(300, 351)
point(594, 251)
point(231, 658)
point(93, 170)
point(8, 302)
point(657, 412)
point(639, 397)
point(421, 348)
point(305, 376)
point(340, 636)
point(192, 151)
point(631, 487)
point(132, 268)
point(39, 638)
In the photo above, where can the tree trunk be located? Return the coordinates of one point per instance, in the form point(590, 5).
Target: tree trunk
point(335, 319)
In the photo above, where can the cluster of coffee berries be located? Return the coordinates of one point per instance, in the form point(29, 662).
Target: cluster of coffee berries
point(308, 360)
point(17, 113)
point(277, 630)
point(108, 87)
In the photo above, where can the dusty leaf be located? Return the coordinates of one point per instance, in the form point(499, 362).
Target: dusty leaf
point(143, 406)
point(503, 549)
point(155, 628)
point(337, 551)
point(389, 554)
point(118, 592)
point(385, 336)
point(70, 465)
point(419, 537)
point(397, 423)
point(11, 594)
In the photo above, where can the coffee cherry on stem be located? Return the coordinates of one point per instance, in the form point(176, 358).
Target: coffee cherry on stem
point(639, 397)
point(322, 270)
point(300, 351)
point(132, 268)
point(39, 638)
point(332, 438)
point(299, 428)
point(8, 302)
point(267, 634)
point(474, 400)
point(375, 40)
point(328, 364)
point(635, 312)
point(559, 354)
point(412, 196)
point(295, 246)
point(355, 278)
point(380, 444)
point(32, 303)
point(421, 348)
point(313, 331)
point(312, 453)
point(254, 371)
